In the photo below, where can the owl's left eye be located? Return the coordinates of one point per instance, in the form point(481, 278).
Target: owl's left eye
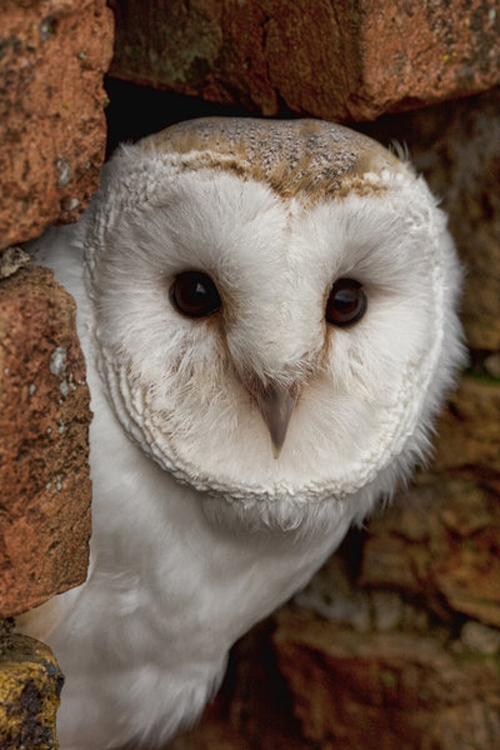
point(194, 294)
point(346, 303)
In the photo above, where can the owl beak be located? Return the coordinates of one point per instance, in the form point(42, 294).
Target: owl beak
point(276, 404)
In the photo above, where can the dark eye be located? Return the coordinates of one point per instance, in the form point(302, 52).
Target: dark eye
point(194, 294)
point(346, 303)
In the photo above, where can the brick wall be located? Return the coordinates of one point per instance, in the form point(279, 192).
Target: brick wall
point(396, 641)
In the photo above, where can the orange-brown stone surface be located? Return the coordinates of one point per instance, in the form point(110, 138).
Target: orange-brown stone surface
point(348, 61)
point(398, 691)
point(44, 417)
point(53, 55)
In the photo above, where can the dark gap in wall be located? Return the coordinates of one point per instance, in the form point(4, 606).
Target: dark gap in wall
point(136, 111)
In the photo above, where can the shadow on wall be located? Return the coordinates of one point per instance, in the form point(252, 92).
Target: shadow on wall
point(136, 111)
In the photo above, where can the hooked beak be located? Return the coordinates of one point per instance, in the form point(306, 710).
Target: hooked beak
point(276, 404)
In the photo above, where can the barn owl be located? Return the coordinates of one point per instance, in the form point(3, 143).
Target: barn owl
point(268, 315)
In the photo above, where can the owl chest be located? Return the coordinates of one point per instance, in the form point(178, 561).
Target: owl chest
point(171, 582)
point(196, 600)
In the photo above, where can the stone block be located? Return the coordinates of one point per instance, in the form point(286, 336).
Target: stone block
point(452, 565)
point(466, 176)
point(469, 430)
point(53, 55)
point(44, 417)
point(396, 691)
point(30, 686)
point(347, 61)
point(305, 682)
point(441, 542)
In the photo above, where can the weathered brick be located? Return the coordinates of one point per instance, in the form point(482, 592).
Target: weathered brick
point(347, 61)
point(53, 55)
point(44, 417)
point(391, 690)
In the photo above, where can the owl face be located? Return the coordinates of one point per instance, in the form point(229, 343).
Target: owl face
point(275, 309)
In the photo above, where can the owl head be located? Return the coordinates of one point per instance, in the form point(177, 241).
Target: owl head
point(275, 313)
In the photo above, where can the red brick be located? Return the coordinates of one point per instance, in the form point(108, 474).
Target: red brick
point(44, 417)
point(347, 61)
point(54, 54)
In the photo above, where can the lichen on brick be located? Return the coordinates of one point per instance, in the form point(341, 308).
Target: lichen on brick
point(30, 689)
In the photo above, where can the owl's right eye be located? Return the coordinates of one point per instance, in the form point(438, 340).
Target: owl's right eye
point(194, 294)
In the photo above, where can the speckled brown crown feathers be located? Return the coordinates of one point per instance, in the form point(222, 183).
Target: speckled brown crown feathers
point(305, 159)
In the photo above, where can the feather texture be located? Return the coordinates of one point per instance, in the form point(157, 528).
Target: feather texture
point(199, 531)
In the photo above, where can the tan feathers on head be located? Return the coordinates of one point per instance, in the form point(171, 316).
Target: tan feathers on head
point(308, 160)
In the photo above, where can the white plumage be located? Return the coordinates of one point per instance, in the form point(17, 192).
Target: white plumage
point(268, 315)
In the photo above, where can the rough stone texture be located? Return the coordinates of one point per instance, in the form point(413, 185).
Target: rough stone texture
point(442, 543)
point(468, 148)
point(348, 61)
point(396, 688)
point(53, 55)
point(456, 146)
point(44, 416)
point(441, 552)
point(469, 433)
point(30, 685)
